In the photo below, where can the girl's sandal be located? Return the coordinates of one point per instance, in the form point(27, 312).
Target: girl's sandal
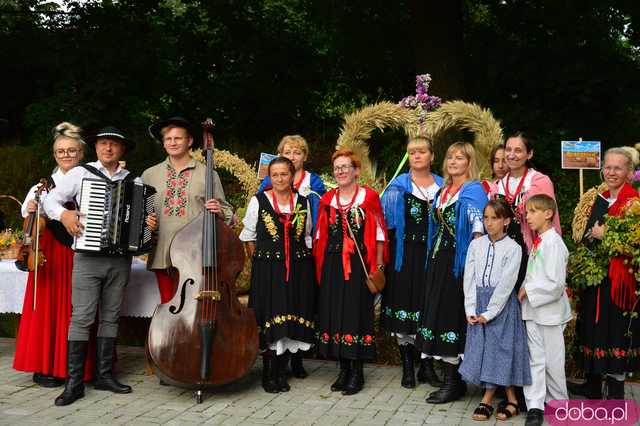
point(483, 412)
point(504, 413)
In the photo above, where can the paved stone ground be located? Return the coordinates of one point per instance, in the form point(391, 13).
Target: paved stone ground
point(310, 402)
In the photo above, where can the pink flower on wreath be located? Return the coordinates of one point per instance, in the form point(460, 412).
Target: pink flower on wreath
point(348, 339)
point(183, 193)
point(325, 337)
point(186, 173)
point(168, 173)
point(181, 212)
point(169, 192)
point(599, 353)
point(166, 211)
point(336, 337)
point(368, 339)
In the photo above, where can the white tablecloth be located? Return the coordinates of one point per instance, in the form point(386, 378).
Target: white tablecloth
point(141, 298)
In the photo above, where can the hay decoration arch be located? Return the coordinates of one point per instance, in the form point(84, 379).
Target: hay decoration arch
point(358, 126)
point(462, 115)
point(235, 165)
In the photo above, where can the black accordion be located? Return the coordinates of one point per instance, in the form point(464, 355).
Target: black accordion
point(115, 217)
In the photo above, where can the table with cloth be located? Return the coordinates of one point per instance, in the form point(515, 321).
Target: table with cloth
point(140, 300)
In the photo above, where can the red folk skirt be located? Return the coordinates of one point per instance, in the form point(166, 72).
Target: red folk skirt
point(41, 344)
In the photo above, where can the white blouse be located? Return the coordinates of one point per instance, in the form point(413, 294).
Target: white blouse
point(57, 177)
point(250, 220)
point(491, 264)
point(429, 191)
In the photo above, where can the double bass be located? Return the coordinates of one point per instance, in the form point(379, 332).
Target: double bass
point(203, 336)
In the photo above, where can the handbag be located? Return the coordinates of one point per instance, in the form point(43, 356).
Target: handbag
point(376, 281)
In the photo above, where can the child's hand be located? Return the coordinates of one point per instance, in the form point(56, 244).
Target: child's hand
point(472, 319)
point(481, 320)
point(522, 294)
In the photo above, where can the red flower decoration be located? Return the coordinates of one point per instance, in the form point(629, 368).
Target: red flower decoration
point(325, 337)
point(348, 338)
point(336, 337)
point(368, 339)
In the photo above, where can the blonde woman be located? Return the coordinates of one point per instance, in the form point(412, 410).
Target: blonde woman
point(407, 205)
point(41, 344)
point(455, 220)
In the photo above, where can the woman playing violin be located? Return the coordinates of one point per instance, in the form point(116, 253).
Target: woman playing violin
point(41, 344)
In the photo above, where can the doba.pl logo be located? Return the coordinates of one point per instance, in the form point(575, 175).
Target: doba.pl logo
point(592, 412)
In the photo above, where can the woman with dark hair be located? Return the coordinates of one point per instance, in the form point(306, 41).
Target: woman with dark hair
point(349, 215)
point(521, 182)
point(499, 167)
point(277, 235)
point(407, 204)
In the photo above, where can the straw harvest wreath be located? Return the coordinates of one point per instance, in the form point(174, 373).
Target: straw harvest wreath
point(420, 114)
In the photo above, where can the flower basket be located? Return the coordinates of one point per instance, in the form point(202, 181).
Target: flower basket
point(10, 252)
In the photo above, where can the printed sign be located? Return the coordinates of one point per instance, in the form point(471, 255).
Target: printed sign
point(263, 164)
point(581, 154)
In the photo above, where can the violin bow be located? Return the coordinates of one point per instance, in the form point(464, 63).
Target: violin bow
point(43, 185)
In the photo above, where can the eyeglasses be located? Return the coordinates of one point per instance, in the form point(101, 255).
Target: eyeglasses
point(61, 153)
point(341, 169)
point(614, 169)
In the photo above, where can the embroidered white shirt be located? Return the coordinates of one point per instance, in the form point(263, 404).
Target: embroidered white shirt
point(491, 264)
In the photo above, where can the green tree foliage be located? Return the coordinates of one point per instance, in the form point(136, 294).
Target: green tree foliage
point(264, 68)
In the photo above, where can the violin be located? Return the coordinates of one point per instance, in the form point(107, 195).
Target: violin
point(203, 336)
point(30, 256)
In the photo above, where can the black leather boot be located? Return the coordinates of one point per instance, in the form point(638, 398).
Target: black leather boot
point(269, 370)
point(427, 374)
point(345, 367)
point(74, 386)
point(407, 355)
point(591, 389)
point(355, 380)
point(47, 381)
point(615, 388)
point(105, 347)
point(297, 369)
point(452, 389)
point(282, 361)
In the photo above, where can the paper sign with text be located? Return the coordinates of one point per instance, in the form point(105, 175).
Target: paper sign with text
point(581, 154)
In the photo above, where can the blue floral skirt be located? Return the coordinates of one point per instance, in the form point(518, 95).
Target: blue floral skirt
point(496, 353)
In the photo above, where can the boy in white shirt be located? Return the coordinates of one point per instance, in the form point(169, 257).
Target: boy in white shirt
point(545, 309)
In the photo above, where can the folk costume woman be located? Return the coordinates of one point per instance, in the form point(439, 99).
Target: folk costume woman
point(277, 233)
point(348, 215)
point(456, 218)
point(180, 183)
point(407, 204)
point(499, 167)
point(521, 182)
point(602, 325)
point(308, 184)
point(41, 344)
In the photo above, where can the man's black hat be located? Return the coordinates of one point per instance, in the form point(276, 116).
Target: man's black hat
point(156, 129)
point(111, 133)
